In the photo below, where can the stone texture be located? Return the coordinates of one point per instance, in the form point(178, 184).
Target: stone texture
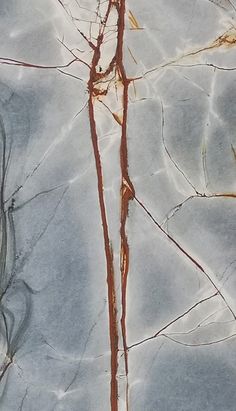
point(117, 205)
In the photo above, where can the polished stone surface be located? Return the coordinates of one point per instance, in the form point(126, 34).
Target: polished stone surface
point(117, 204)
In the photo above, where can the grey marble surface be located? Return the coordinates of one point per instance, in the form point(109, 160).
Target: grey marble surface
point(117, 205)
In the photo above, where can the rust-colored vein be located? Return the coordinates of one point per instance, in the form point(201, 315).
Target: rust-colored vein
point(126, 188)
point(109, 263)
point(108, 249)
point(127, 193)
point(97, 75)
point(118, 118)
point(229, 195)
point(95, 93)
point(133, 21)
point(225, 40)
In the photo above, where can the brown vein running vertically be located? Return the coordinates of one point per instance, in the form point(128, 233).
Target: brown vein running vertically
point(108, 249)
point(126, 192)
point(126, 189)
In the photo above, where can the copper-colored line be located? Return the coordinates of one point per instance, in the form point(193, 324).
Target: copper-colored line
point(109, 264)
point(107, 245)
point(126, 189)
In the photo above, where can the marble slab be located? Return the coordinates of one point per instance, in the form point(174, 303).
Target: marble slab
point(117, 205)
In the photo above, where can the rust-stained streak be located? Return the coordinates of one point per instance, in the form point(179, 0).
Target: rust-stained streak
point(118, 118)
point(97, 76)
point(230, 195)
point(126, 188)
point(109, 260)
point(113, 331)
point(98, 92)
point(133, 22)
point(227, 39)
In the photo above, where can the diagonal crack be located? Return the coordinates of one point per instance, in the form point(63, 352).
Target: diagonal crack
point(187, 255)
point(158, 333)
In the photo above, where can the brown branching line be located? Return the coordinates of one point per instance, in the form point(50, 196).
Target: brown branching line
point(186, 254)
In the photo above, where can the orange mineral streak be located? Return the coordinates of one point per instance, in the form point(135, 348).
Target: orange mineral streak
point(229, 195)
point(133, 22)
point(113, 331)
point(126, 188)
point(118, 118)
point(109, 264)
point(97, 92)
point(227, 39)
